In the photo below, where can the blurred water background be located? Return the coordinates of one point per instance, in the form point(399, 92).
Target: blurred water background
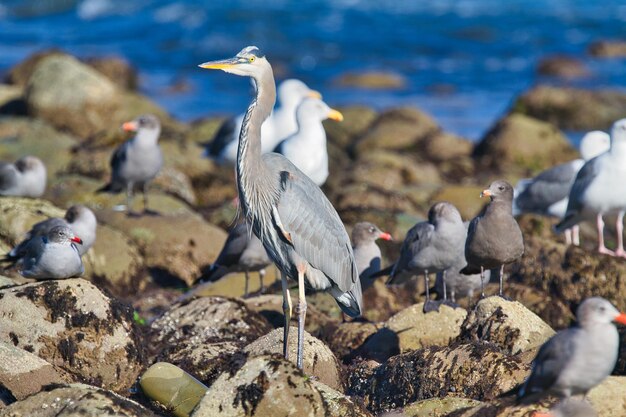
point(464, 60)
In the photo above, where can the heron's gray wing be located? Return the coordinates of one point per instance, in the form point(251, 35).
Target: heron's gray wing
point(315, 229)
point(8, 175)
point(549, 362)
point(417, 238)
point(549, 187)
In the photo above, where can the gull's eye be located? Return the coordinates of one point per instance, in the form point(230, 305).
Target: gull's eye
point(501, 188)
point(251, 59)
point(371, 230)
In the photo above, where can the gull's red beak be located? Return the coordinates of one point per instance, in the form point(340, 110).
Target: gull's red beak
point(385, 236)
point(538, 414)
point(130, 126)
point(621, 318)
point(76, 239)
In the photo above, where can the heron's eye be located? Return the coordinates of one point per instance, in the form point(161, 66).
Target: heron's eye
point(251, 59)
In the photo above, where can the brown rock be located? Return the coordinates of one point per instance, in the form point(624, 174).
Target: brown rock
point(572, 108)
point(478, 371)
point(21, 72)
point(356, 120)
point(562, 66)
point(521, 144)
point(376, 80)
point(76, 328)
point(117, 70)
point(345, 339)
point(318, 359)
point(438, 407)
point(338, 404)
point(608, 49)
point(466, 198)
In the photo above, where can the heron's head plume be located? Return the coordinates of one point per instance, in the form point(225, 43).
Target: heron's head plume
point(250, 62)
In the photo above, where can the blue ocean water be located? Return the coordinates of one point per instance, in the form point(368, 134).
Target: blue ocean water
point(464, 60)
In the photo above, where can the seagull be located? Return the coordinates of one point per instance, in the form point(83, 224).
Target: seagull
point(494, 238)
point(597, 191)
point(547, 193)
point(53, 256)
point(577, 359)
point(431, 246)
point(242, 252)
point(366, 252)
point(280, 124)
point(24, 178)
point(137, 161)
point(79, 218)
point(306, 148)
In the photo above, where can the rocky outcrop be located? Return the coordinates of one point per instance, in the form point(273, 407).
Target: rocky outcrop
point(562, 66)
point(83, 333)
point(374, 80)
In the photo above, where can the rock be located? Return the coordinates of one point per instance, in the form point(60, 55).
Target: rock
point(608, 49)
point(8, 94)
point(562, 66)
point(411, 329)
point(466, 198)
point(550, 309)
point(23, 373)
point(5, 281)
point(76, 328)
point(318, 359)
point(375, 80)
point(345, 339)
point(172, 388)
point(438, 407)
point(570, 274)
point(506, 324)
point(399, 129)
point(444, 146)
point(337, 404)
point(263, 386)
point(391, 171)
point(18, 215)
point(20, 73)
point(176, 247)
point(70, 95)
point(206, 320)
point(21, 136)
point(174, 182)
point(116, 69)
point(356, 121)
point(234, 284)
point(76, 400)
point(478, 371)
point(573, 108)
point(205, 361)
point(522, 145)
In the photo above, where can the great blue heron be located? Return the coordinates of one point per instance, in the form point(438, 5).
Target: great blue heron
point(25, 178)
point(597, 190)
point(137, 161)
point(280, 124)
point(547, 193)
point(298, 226)
point(306, 148)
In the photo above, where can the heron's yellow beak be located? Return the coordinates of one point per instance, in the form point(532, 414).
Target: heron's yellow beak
point(335, 115)
point(315, 94)
point(485, 193)
point(220, 64)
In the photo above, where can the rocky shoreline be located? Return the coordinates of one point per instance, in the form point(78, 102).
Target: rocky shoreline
point(82, 344)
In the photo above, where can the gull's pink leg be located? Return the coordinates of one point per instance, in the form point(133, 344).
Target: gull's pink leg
point(568, 237)
point(576, 235)
point(619, 227)
point(601, 247)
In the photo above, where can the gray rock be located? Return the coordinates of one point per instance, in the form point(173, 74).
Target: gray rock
point(507, 324)
point(318, 361)
point(263, 386)
point(438, 407)
point(76, 400)
point(75, 327)
point(23, 373)
point(70, 95)
point(337, 404)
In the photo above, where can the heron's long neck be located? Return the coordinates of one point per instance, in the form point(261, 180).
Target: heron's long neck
point(251, 171)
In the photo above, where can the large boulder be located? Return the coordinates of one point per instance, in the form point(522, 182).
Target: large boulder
point(76, 400)
point(476, 370)
point(608, 48)
point(506, 324)
point(562, 66)
point(573, 108)
point(71, 324)
point(519, 144)
point(263, 386)
point(70, 95)
point(346, 339)
point(438, 407)
point(23, 373)
point(373, 80)
point(318, 359)
point(412, 329)
point(356, 120)
point(337, 404)
point(175, 246)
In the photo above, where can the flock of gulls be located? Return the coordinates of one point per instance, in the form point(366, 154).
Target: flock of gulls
point(280, 159)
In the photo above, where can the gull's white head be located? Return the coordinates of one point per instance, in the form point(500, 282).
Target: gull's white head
point(594, 143)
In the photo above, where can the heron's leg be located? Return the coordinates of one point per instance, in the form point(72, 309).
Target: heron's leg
point(568, 237)
point(245, 288)
point(301, 315)
point(429, 305)
point(600, 225)
point(261, 276)
point(287, 313)
point(576, 235)
point(619, 228)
